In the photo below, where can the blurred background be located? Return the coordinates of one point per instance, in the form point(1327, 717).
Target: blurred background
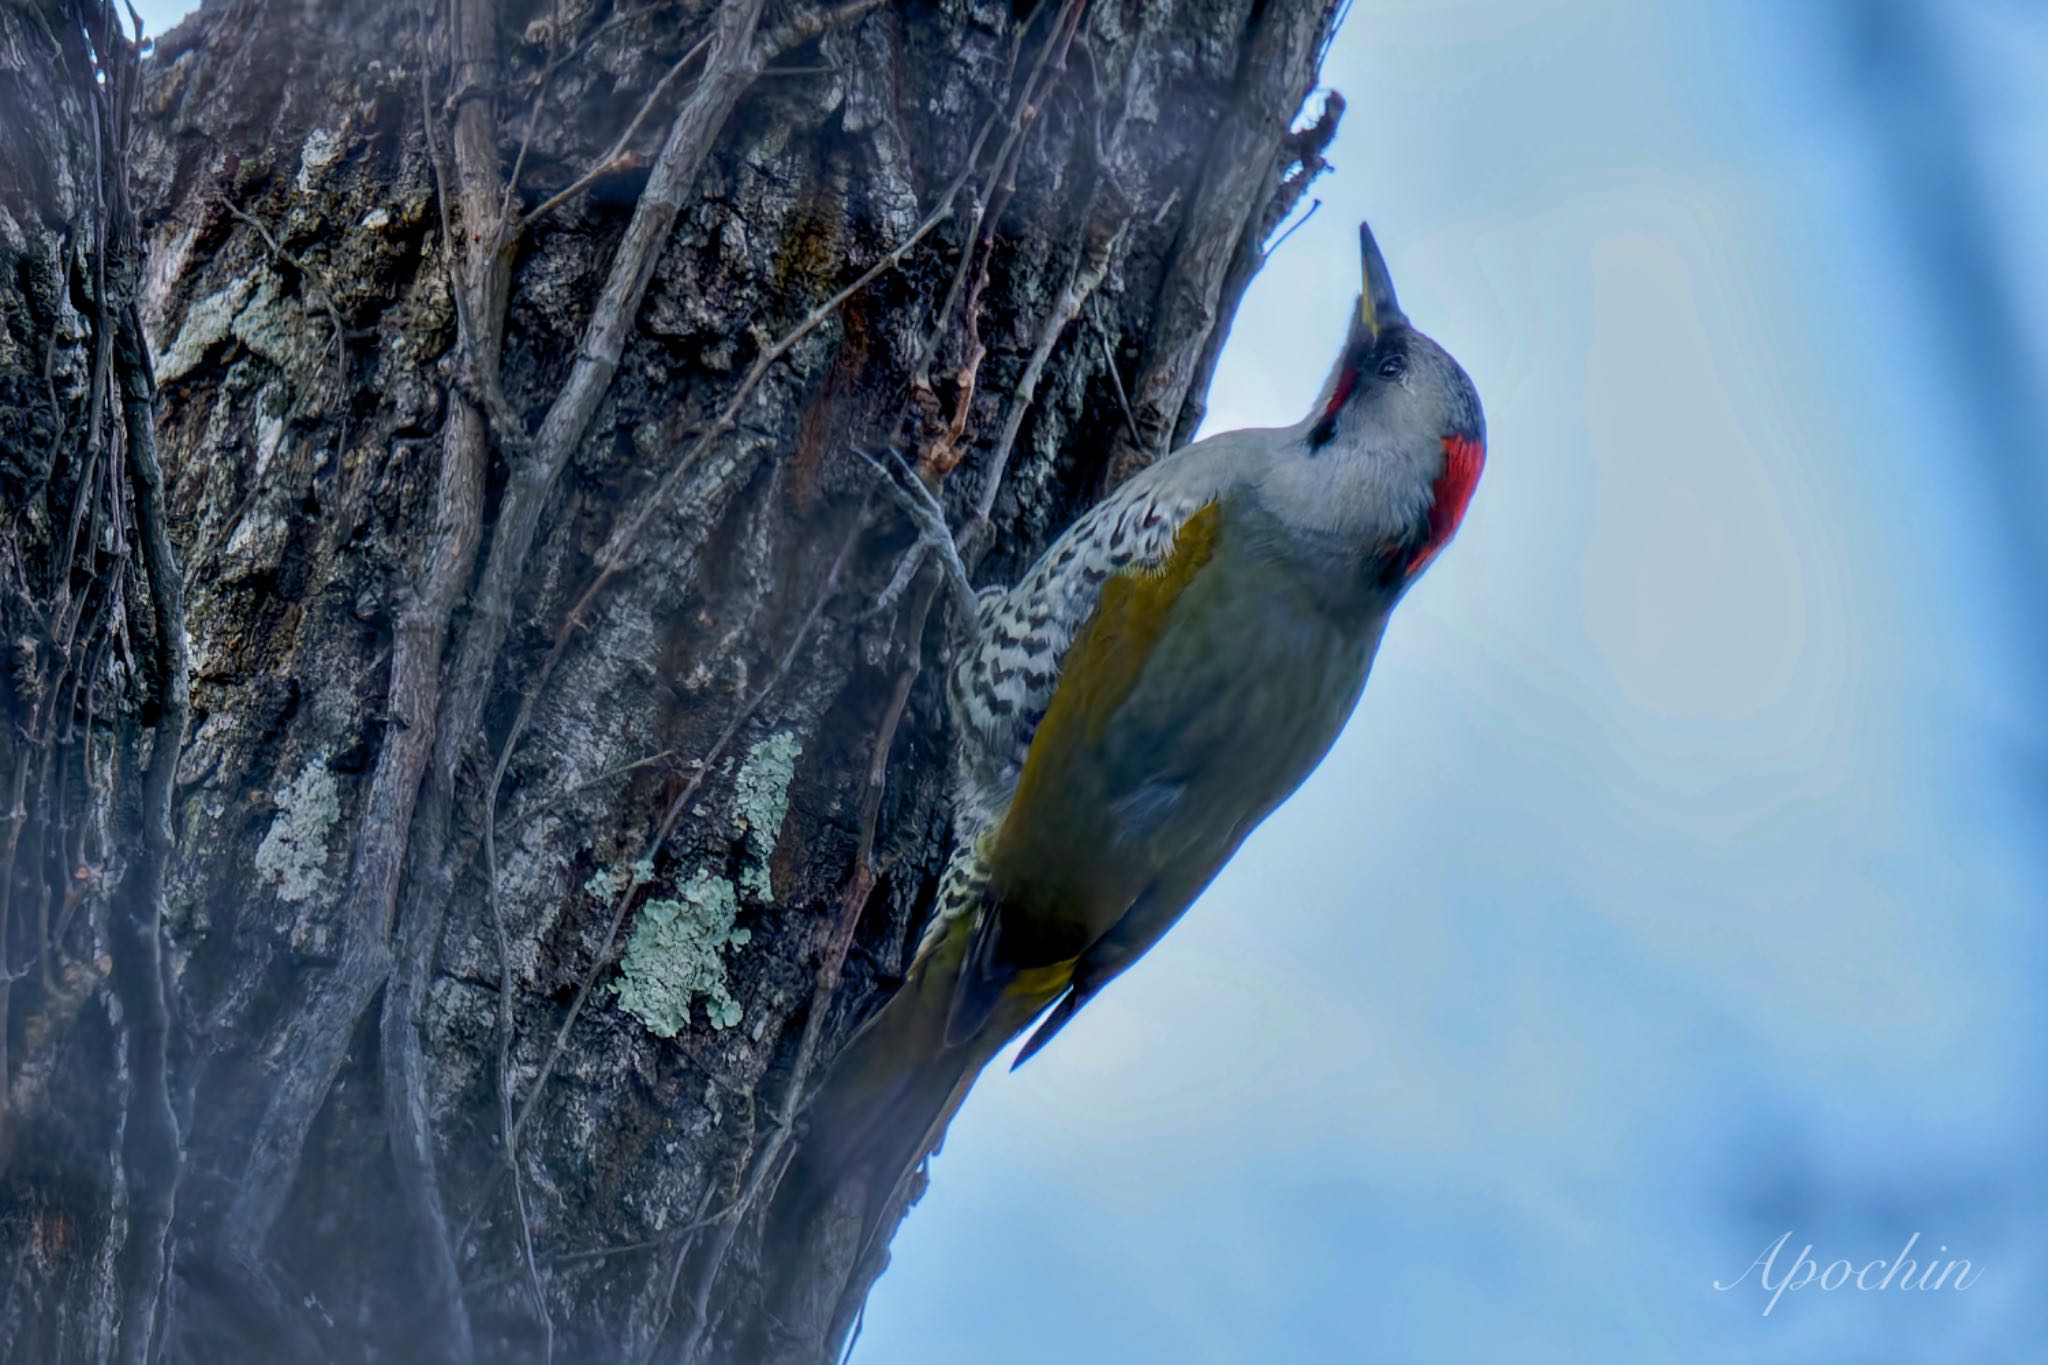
point(1678, 883)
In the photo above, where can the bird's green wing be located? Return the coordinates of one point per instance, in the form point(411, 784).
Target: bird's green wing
point(1202, 696)
point(1054, 896)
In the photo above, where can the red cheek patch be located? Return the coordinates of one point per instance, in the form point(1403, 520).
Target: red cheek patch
point(1464, 458)
point(1347, 380)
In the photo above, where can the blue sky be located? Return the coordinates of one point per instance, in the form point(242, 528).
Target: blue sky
point(1677, 884)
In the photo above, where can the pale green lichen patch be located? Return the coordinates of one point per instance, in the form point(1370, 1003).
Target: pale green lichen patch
point(761, 804)
point(605, 883)
point(608, 882)
point(293, 855)
point(677, 953)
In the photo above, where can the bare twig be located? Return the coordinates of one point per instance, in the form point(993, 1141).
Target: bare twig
point(1293, 228)
point(673, 1237)
point(861, 880)
point(155, 1152)
point(921, 371)
point(480, 281)
point(620, 157)
point(943, 453)
point(311, 275)
point(947, 445)
point(540, 98)
point(800, 28)
point(1089, 268)
point(853, 901)
point(1303, 147)
point(508, 1137)
point(554, 798)
point(1116, 382)
point(732, 57)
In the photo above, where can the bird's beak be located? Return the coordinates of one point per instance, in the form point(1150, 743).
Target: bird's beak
point(1377, 307)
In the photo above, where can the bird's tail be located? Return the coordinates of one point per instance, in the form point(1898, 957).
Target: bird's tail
point(892, 1090)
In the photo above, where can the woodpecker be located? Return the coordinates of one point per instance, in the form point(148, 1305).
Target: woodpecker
point(1164, 677)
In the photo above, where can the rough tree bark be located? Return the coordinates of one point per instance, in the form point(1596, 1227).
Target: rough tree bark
point(442, 977)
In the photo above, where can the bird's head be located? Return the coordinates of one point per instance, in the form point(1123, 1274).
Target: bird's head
point(1392, 451)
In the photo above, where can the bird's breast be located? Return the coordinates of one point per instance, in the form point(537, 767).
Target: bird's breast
point(1246, 678)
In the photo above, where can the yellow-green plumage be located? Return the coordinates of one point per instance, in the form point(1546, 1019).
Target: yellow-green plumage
point(1050, 895)
point(1193, 702)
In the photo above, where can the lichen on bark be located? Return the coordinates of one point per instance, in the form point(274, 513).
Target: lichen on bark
point(293, 854)
point(761, 805)
point(676, 956)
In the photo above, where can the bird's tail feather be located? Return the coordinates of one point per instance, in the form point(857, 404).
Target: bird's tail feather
point(980, 982)
point(893, 1089)
point(993, 994)
point(1056, 1019)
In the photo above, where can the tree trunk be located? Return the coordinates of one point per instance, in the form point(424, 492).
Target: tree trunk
point(446, 980)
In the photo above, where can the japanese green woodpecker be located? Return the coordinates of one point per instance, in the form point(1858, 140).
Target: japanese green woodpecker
point(1162, 679)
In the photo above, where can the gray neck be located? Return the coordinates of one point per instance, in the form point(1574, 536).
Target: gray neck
point(1358, 496)
point(1343, 576)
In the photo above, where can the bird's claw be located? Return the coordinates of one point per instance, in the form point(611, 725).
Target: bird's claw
point(928, 514)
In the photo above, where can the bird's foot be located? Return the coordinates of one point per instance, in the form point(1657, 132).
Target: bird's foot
point(925, 511)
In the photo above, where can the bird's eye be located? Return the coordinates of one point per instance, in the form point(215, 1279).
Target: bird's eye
point(1393, 367)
